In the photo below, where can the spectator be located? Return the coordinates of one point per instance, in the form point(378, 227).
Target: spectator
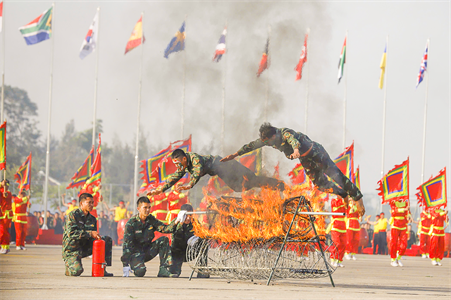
point(411, 237)
point(50, 218)
point(120, 213)
point(58, 224)
point(376, 236)
point(40, 219)
point(104, 224)
point(71, 205)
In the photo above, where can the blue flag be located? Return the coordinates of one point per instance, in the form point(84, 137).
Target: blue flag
point(177, 43)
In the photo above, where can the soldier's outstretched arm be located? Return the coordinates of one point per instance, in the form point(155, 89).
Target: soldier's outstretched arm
point(245, 149)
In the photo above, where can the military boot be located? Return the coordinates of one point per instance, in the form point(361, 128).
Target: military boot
point(165, 273)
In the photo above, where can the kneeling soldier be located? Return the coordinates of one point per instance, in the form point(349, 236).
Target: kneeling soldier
point(138, 247)
point(80, 231)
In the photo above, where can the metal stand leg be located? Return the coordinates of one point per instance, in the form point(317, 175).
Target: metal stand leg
point(191, 276)
point(284, 241)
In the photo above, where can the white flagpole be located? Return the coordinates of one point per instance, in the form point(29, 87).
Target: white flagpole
point(47, 154)
point(223, 97)
point(94, 117)
point(307, 89)
point(135, 177)
point(345, 95)
point(3, 65)
point(183, 90)
point(384, 115)
point(425, 116)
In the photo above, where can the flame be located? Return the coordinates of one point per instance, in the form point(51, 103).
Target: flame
point(259, 216)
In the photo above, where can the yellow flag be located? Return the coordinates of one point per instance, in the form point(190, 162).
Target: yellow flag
point(383, 61)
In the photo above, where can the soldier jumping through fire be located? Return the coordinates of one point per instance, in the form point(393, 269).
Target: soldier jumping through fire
point(234, 174)
point(313, 157)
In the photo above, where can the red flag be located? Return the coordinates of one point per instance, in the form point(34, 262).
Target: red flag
point(96, 168)
point(302, 59)
point(3, 146)
point(264, 62)
point(136, 38)
point(23, 175)
point(395, 184)
point(432, 193)
point(83, 173)
point(345, 162)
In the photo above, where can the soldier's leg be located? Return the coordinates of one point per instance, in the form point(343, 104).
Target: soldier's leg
point(177, 262)
point(315, 171)
point(73, 265)
point(234, 174)
point(137, 264)
point(108, 249)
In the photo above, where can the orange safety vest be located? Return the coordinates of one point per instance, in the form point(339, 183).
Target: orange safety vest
point(399, 214)
point(20, 209)
point(425, 222)
point(352, 218)
point(338, 222)
point(6, 205)
point(439, 217)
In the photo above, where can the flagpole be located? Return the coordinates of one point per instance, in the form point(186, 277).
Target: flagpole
point(183, 91)
point(267, 76)
point(384, 115)
point(47, 154)
point(345, 95)
point(223, 99)
point(425, 117)
point(135, 173)
point(96, 81)
point(307, 89)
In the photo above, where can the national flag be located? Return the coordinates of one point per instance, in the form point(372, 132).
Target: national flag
point(221, 47)
point(424, 65)
point(342, 61)
point(252, 161)
point(357, 178)
point(137, 36)
point(1, 16)
point(382, 66)
point(83, 173)
point(96, 168)
point(395, 184)
point(90, 42)
point(432, 193)
point(3, 146)
point(265, 61)
point(38, 30)
point(23, 175)
point(177, 43)
point(345, 162)
point(299, 177)
point(302, 59)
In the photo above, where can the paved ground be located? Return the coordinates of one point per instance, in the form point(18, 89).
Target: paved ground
point(38, 273)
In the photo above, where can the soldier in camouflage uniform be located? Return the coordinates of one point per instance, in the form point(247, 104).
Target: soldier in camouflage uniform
point(180, 240)
point(138, 247)
point(80, 231)
point(313, 157)
point(234, 174)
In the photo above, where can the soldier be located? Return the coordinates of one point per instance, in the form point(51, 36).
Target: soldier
point(138, 247)
point(313, 157)
point(6, 216)
point(80, 231)
point(234, 174)
point(180, 240)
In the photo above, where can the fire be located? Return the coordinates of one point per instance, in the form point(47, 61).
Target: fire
point(259, 216)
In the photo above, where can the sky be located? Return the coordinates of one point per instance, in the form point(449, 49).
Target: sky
point(368, 24)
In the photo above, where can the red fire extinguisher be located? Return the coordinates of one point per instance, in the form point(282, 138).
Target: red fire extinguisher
point(98, 258)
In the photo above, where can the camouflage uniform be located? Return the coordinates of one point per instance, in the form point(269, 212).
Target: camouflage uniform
point(138, 247)
point(234, 174)
point(314, 158)
point(77, 241)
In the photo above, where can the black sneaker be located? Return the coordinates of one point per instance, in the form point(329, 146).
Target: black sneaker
point(106, 274)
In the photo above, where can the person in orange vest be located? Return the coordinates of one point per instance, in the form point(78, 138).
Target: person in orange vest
point(6, 216)
point(70, 206)
point(352, 231)
point(21, 204)
point(437, 233)
point(424, 227)
point(400, 215)
point(338, 231)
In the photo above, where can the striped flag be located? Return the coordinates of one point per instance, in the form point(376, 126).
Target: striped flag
point(424, 65)
point(302, 59)
point(264, 62)
point(341, 63)
point(96, 168)
point(137, 36)
point(382, 66)
point(38, 30)
point(221, 47)
point(23, 175)
point(83, 173)
point(90, 42)
point(3, 146)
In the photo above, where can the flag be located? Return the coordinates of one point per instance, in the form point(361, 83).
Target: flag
point(1, 16)
point(167, 167)
point(83, 173)
point(424, 65)
point(221, 47)
point(302, 59)
point(264, 62)
point(96, 168)
point(137, 36)
point(382, 66)
point(341, 63)
point(177, 43)
point(3, 146)
point(38, 30)
point(357, 178)
point(90, 42)
point(216, 187)
point(298, 176)
point(252, 161)
point(395, 184)
point(345, 162)
point(23, 175)
point(432, 193)
point(149, 167)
